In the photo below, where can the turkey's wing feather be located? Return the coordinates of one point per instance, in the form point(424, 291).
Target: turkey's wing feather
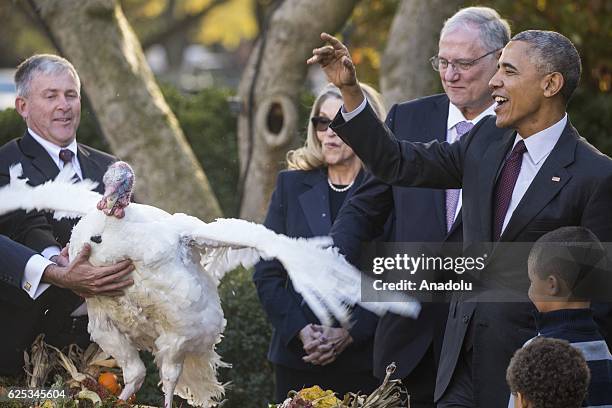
point(326, 281)
point(67, 200)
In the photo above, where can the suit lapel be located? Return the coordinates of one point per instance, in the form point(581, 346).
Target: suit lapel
point(315, 204)
point(39, 157)
point(542, 189)
point(90, 169)
point(491, 164)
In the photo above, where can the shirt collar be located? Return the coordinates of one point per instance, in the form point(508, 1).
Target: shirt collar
point(540, 144)
point(455, 116)
point(52, 149)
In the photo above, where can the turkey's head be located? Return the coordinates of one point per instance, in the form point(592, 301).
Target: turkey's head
point(118, 183)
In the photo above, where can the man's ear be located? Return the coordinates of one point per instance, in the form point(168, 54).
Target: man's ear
point(552, 84)
point(553, 285)
point(520, 401)
point(21, 106)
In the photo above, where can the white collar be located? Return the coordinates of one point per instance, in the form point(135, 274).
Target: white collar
point(540, 144)
point(52, 149)
point(455, 116)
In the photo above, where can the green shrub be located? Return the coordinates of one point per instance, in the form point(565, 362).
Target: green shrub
point(245, 343)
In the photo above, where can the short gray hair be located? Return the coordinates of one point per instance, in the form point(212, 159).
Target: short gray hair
point(41, 64)
point(554, 52)
point(494, 30)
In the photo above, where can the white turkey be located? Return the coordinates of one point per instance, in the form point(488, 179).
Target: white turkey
point(173, 308)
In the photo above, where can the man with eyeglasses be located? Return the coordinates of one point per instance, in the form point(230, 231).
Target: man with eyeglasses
point(524, 172)
point(470, 43)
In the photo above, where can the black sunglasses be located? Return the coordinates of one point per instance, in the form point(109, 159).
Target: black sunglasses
point(321, 123)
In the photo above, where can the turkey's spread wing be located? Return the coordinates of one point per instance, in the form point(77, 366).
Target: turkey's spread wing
point(326, 281)
point(213, 246)
point(67, 200)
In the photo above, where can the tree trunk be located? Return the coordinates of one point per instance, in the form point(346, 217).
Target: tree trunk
point(405, 70)
point(96, 37)
point(269, 93)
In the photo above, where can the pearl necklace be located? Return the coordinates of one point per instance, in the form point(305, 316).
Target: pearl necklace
point(339, 190)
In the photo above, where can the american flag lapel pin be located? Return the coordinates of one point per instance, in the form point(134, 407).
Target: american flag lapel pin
point(556, 179)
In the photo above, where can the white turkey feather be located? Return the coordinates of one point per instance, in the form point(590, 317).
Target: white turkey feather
point(328, 283)
point(173, 309)
point(66, 199)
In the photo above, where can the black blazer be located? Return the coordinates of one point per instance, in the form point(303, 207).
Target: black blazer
point(14, 259)
point(582, 196)
point(299, 207)
point(17, 310)
point(31, 230)
point(418, 215)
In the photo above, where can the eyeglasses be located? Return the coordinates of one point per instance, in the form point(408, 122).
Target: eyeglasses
point(460, 65)
point(321, 123)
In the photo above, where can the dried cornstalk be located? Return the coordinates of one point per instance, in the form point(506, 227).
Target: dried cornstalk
point(39, 363)
point(76, 376)
point(387, 395)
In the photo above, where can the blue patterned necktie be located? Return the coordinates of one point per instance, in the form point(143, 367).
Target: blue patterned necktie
point(452, 195)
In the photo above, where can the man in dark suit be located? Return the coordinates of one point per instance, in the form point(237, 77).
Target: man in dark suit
point(48, 99)
point(523, 173)
point(426, 215)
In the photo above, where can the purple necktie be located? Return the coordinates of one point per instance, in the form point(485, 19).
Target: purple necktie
point(66, 156)
point(452, 195)
point(505, 187)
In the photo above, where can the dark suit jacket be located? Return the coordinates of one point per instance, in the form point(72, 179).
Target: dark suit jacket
point(582, 196)
point(14, 259)
point(27, 318)
point(418, 215)
point(300, 208)
point(16, 307)
point(31, 230)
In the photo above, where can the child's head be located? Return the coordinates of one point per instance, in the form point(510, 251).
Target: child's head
point(548, 373)
point(560, 267)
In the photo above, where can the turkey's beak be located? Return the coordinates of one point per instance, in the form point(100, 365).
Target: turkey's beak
point(111, 200)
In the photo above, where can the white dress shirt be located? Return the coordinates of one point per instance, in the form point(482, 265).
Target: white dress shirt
point(33, 274)
point(53, 150)
point(539, 145)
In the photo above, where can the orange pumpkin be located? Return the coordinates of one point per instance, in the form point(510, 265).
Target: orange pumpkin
point(110, 382)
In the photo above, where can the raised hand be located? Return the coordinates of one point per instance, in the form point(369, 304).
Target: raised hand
point(335, 61)
point(339, 69)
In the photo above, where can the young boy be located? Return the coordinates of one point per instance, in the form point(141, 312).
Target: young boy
point(548, 373)
point(565, 270)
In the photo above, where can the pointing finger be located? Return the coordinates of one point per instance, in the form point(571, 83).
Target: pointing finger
point(333, 41)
